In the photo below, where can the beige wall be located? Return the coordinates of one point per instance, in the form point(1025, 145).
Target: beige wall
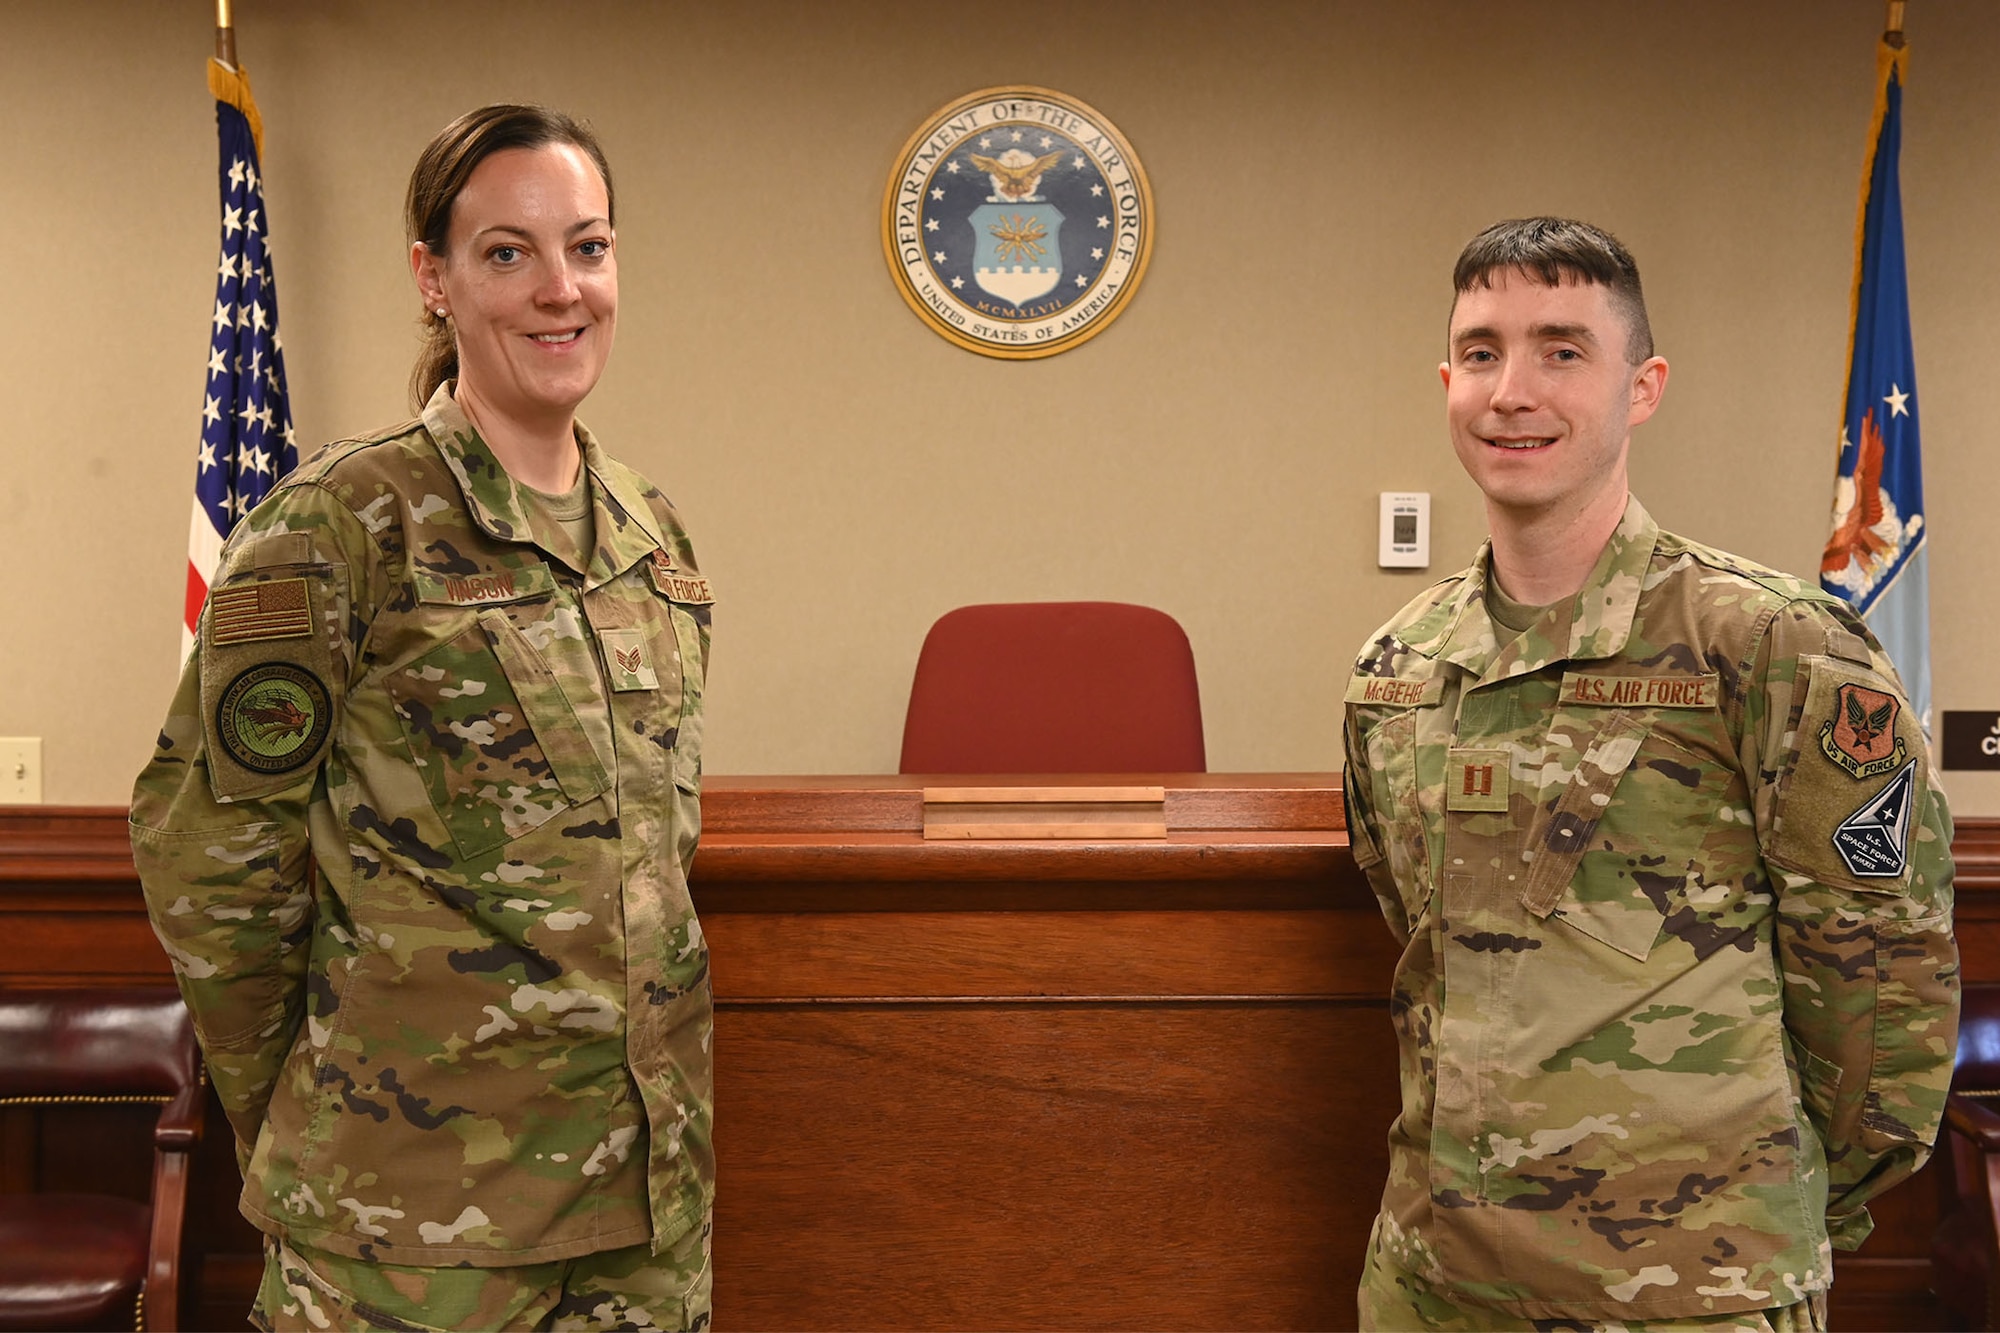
point(848, 474)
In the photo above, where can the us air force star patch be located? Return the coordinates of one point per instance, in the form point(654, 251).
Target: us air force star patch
point(1862, 737)
point(1017, 222)
point(273, 717)
point(1874, 840)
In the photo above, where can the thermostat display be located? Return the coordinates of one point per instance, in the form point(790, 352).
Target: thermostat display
point(1406, 530)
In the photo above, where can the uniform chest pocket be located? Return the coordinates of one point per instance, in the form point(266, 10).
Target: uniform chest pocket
point(495, 739)
point(1612, 854)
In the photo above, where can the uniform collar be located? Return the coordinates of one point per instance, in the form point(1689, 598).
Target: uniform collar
point(1596, 623)
point(624, 527)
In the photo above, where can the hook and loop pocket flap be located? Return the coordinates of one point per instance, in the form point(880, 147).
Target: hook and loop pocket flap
point(567, 748)
point(491, 734)
point(1557, 844)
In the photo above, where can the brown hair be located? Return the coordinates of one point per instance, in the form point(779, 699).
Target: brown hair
point(1558, 250)
point(442, 170)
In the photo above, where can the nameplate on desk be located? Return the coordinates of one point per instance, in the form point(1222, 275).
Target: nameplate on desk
point(1045, 812)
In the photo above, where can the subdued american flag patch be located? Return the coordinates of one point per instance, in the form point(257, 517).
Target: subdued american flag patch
point(253, 611)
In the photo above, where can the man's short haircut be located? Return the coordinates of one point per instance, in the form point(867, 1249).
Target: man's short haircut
point(1554, 251)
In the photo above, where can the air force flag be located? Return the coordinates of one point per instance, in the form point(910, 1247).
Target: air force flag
point(1875, 555)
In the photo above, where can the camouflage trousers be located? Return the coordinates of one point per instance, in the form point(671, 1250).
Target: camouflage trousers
point(632, 1288)
point(1394, 1301)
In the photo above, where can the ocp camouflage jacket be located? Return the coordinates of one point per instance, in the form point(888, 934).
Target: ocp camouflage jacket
point(416, 837)
point(1673, 875)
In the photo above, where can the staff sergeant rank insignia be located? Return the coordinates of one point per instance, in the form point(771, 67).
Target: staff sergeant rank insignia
point(1017, 222)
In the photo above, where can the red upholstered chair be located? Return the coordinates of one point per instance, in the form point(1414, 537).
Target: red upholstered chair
point(1964, 1253)
point(1054, 687)
point(82, 1260)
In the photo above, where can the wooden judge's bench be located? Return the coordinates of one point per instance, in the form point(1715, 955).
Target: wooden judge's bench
point(973, 1082)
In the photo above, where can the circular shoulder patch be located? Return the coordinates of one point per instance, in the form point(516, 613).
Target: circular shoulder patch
point(273, 717)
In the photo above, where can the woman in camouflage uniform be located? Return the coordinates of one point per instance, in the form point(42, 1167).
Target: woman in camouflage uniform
point(418, 828)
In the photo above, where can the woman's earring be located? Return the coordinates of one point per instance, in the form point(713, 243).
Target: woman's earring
point(441, 314)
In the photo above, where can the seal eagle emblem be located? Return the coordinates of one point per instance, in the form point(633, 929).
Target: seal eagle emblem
point(1017, 222)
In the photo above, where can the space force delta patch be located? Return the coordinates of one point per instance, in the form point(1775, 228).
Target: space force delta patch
point(1874, 841)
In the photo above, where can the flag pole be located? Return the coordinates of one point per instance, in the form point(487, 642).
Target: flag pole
point(227, 35)
point(1892, 31)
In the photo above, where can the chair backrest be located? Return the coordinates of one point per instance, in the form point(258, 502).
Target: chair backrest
point(129, 1041)
point(1054, 687)
point(1978, 1062)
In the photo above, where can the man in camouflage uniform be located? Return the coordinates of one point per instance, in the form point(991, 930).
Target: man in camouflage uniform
point(416, 837)
point(1670, 865)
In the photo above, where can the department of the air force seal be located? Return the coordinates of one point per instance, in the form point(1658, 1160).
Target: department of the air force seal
point(1017, 222)
point(273, 717)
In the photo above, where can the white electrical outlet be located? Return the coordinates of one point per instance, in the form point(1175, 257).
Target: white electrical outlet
point(20, 770)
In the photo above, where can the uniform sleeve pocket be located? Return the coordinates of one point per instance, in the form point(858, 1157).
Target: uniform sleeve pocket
point(687, 754)
point(1397, 837)
point(691, 638)
point(244, 893)
point(1360, 841)
point(497, 743)
point(1819, 1089)
point(1916, 1029)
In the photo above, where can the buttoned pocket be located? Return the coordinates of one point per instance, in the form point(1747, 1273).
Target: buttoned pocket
point(498, 746)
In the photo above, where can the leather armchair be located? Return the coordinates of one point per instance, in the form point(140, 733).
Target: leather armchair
point(73, 1260)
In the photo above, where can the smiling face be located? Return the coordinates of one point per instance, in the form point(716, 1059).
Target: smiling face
point(530, 279)
point(1541, 400)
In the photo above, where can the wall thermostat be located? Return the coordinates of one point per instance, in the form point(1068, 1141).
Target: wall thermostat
point(1406, 530)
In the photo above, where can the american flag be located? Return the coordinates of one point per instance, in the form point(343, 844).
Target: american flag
point(1876, 554)
point(246, 417)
